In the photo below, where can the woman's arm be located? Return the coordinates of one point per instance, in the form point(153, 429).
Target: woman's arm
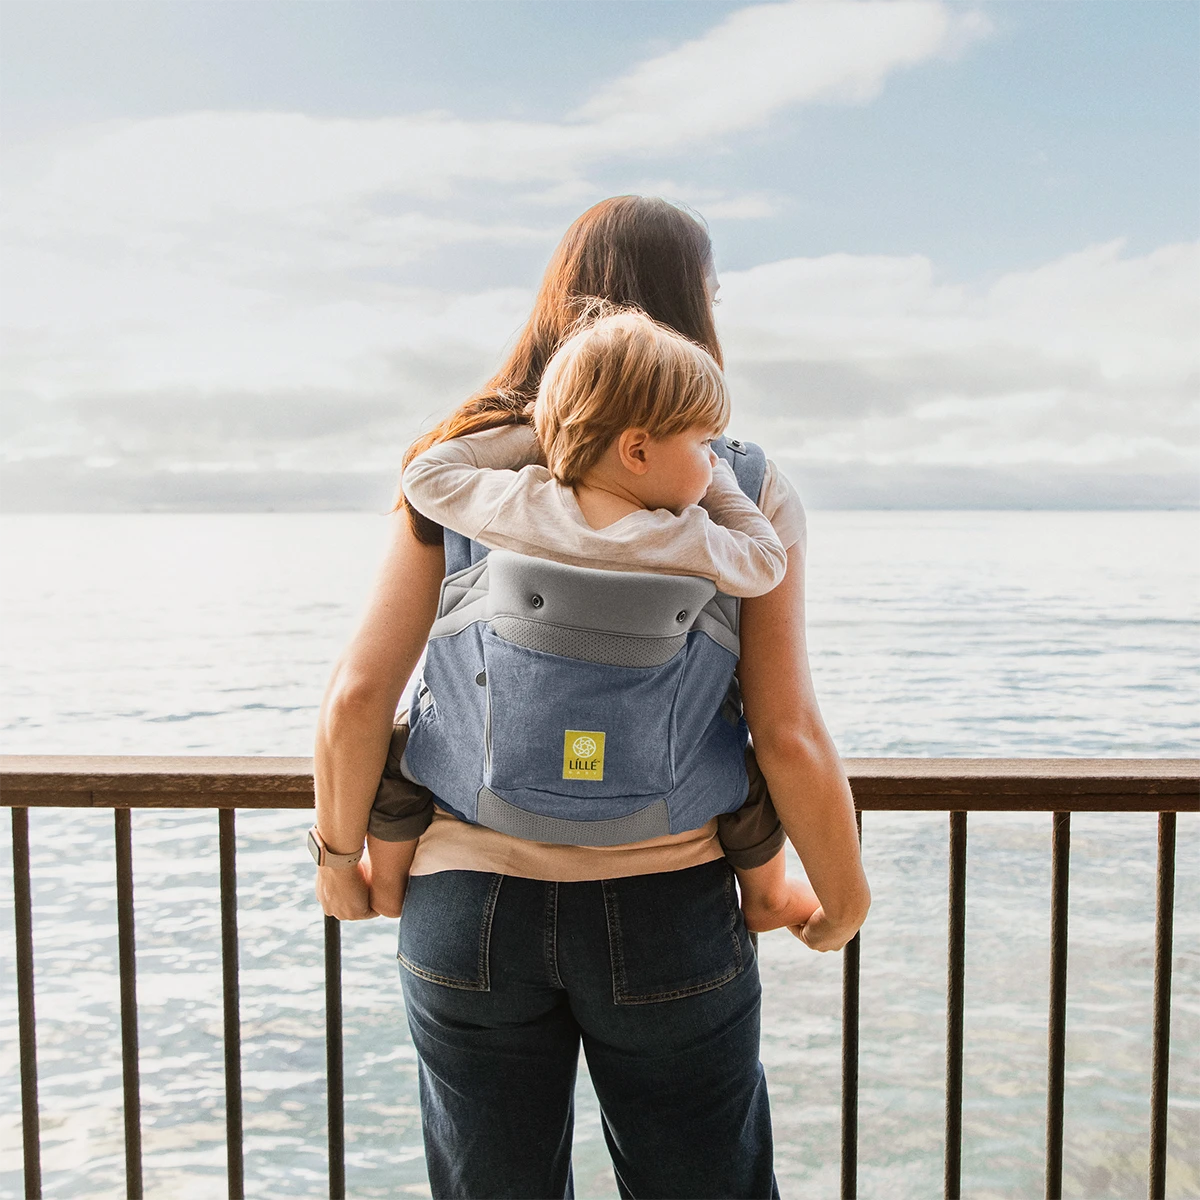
point(798, 758)
point(355, 724)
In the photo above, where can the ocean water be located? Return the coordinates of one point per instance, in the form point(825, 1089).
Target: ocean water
point(936, 633)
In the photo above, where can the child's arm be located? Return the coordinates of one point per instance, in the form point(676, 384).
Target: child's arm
point(770, 899)
point(747, 556)
point(456, 483)
point(388, 864)
point(401, 812)
point(751, 835)
point(752, 838)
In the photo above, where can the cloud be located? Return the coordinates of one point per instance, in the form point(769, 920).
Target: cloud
point(870, 486)
point(1120, 316)
point(859, 373)
point(772, 56)
point(1090, 360)
point(207, 167)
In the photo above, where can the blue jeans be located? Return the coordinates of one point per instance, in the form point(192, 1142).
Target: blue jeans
point(655, 975)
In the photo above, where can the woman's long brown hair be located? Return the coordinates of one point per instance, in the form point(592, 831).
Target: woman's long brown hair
point(634, 251)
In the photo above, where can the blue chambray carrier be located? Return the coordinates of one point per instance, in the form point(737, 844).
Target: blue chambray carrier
point(581, 706)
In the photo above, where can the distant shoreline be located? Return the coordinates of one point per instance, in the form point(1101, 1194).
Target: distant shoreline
point(71, 487)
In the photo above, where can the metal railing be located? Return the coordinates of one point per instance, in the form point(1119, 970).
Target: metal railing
point(953, 786)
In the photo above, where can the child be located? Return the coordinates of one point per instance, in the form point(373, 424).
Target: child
point(626, 412)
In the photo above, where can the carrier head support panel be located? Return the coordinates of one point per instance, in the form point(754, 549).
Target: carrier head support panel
point(581, 706)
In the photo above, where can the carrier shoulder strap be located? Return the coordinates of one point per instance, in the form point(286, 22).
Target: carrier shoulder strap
point(461, 552)
point(747, 459)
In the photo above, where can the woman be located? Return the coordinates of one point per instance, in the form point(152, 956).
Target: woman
point(515, 953)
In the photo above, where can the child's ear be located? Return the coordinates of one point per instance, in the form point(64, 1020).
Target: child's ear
point(633, 450)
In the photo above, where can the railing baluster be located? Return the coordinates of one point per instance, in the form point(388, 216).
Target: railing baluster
point(230, 989)
point(955, 972)
point(333, 1058)
point(850, 976)
point(126, 955)
point(1056, 1066)
point(1164, 922)
point(26, 1023)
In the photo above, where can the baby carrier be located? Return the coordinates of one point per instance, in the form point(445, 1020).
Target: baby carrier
point(581, 706)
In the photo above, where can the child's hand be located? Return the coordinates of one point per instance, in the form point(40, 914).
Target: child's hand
point(821, 933)
point(770, 900)
point(789, 903)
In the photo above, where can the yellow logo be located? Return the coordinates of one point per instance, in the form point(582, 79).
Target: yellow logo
point(583, 754)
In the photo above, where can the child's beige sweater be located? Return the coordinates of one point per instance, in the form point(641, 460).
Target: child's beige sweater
point(467, 485)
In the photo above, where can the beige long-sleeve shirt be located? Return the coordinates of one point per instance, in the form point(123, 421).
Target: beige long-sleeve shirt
point(469, 485)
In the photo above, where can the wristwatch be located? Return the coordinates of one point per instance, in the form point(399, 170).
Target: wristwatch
point(324, 857)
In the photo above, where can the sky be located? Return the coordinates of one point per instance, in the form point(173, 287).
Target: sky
point(251, 250)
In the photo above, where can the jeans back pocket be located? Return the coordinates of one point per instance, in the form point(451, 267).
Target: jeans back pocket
point(674, 934)
point(446, 928)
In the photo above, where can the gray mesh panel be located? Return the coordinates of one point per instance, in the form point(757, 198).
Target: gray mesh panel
point(590, 645)
point(629, 603)
point(496, 813)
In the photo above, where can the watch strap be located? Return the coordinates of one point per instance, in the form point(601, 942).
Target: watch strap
point(324, 857)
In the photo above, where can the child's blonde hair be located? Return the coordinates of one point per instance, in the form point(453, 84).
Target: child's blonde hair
point(621, 370)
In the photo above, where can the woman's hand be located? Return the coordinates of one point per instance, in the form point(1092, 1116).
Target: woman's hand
point(344, 892)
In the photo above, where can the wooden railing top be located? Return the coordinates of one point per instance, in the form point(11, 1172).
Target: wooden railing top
point(901, 784)
point(153, 781)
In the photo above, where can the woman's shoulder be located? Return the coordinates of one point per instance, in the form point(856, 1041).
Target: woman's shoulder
point(780, 503)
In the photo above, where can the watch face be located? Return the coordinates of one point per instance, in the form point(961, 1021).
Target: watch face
point(314, 847)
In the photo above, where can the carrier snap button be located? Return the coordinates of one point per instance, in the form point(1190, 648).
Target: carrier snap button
point(536, 600)
point(681, 615)
point(481, 678)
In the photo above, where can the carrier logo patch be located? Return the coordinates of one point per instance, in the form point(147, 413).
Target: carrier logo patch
point(583, 754)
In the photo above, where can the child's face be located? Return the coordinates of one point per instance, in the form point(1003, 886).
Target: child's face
point(681, 467)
